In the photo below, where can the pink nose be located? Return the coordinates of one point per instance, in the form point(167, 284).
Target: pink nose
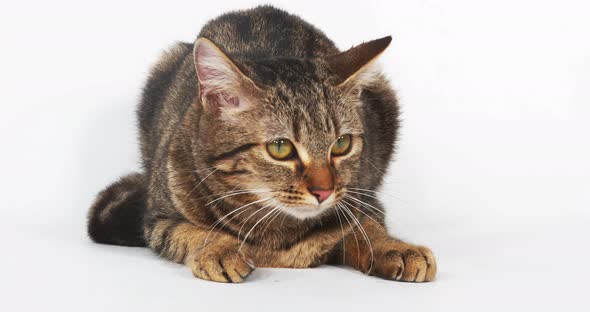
point(321, 194)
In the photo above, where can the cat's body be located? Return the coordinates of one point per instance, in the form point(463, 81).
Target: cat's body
point(213, 198)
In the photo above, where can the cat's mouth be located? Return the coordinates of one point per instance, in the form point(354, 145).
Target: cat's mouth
point(308, 210)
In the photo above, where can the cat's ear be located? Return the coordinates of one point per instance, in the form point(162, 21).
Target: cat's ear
point(355, 64)
point(223, 87)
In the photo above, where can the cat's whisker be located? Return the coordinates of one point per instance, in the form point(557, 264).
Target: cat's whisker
point(278, 213)
point(377, 192)
point(365, 236)
point(381, 170)
point(244, 222)
point(365, 204)
point(283, 221)
point(198, 184)
point(204, 169)
point(228, 193)
point(363, 194)
point(358, 248)
point(368, 212)
point(343, 237)
point(238, 193)
point(233, 190)
point(232, 218)
point(232, 212)
point(361, 211)
point(255, 224)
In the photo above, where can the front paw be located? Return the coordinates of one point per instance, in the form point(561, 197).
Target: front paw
point(406, 263)
point(220, 264)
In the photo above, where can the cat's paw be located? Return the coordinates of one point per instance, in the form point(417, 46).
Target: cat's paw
point(408, 264)
point(222, 265)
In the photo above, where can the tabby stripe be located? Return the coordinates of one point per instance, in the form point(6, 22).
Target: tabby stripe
point(184, 253)
point(163, 242)
point(233, 152)
point(150, 226)
point(233, 172)
point(224, 271)
point(327, 225)
point(296, 128)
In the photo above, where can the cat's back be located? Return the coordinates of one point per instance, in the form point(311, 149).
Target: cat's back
point(266, 32)
point(169, 90)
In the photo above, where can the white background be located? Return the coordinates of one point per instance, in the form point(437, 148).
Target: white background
point(492, 170)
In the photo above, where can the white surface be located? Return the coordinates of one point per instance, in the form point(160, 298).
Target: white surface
point(492, 169)
point(525, 268)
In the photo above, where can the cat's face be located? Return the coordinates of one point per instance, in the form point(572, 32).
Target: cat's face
point(293, 138)
point(308, 141)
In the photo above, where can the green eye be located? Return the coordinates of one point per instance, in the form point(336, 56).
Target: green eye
point(280, 149)
point(342, 145)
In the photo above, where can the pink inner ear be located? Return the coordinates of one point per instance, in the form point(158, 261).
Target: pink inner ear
point(234, 101)
point(218, 79)
point(210, 78)
point(217, 101)
point(212, 68)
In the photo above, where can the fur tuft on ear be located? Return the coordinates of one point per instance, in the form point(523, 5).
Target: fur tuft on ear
point(222, 86)
point(357, 63)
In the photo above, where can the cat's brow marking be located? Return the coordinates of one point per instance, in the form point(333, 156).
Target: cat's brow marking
point(233, 152)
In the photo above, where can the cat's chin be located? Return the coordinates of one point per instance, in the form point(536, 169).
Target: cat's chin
point(305, 212)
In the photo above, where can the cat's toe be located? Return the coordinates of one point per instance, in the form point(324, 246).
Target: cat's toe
point(236, 267)
point(228, 267)
point(392, 267)
point(430, 262)
point(420, 265)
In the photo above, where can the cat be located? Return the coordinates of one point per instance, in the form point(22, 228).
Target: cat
point(263, 145)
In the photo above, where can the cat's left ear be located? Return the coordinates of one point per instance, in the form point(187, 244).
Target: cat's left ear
point(355, 66)
point(223, 88)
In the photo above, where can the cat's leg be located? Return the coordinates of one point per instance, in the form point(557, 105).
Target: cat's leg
point(385, 256)
point(210, 255)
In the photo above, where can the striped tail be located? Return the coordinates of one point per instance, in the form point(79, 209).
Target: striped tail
point(116, 217)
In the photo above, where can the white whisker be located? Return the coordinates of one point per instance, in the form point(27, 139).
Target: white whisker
point(238, 193)
point(343, 237)
point(255, 224)
point(358, 248)
point(250, 216)
point(278, 213)
point(365, 236)
point(231, 212)
point(205, 178)
point(361, 211)
point(377, 192)
point(365, 203)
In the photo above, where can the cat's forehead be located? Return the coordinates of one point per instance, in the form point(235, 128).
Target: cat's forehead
point(300, 104)
point(308, 115)
point(286, 72)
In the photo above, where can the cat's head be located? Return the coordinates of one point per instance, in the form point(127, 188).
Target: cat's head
point(288, 130)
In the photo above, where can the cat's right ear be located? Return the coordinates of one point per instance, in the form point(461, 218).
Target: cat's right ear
point(355, 65)
point(223, 88)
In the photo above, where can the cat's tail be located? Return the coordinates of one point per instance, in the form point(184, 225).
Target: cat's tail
point(116, 217)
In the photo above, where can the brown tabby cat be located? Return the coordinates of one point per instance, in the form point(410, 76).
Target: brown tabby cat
point(262, 145)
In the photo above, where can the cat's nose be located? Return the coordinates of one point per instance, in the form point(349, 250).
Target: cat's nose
point(320, 194)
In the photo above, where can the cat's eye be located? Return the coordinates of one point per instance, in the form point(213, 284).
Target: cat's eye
point(342, 145)
point(280, 149)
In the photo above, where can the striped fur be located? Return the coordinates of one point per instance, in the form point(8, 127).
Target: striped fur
point(211, 197)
